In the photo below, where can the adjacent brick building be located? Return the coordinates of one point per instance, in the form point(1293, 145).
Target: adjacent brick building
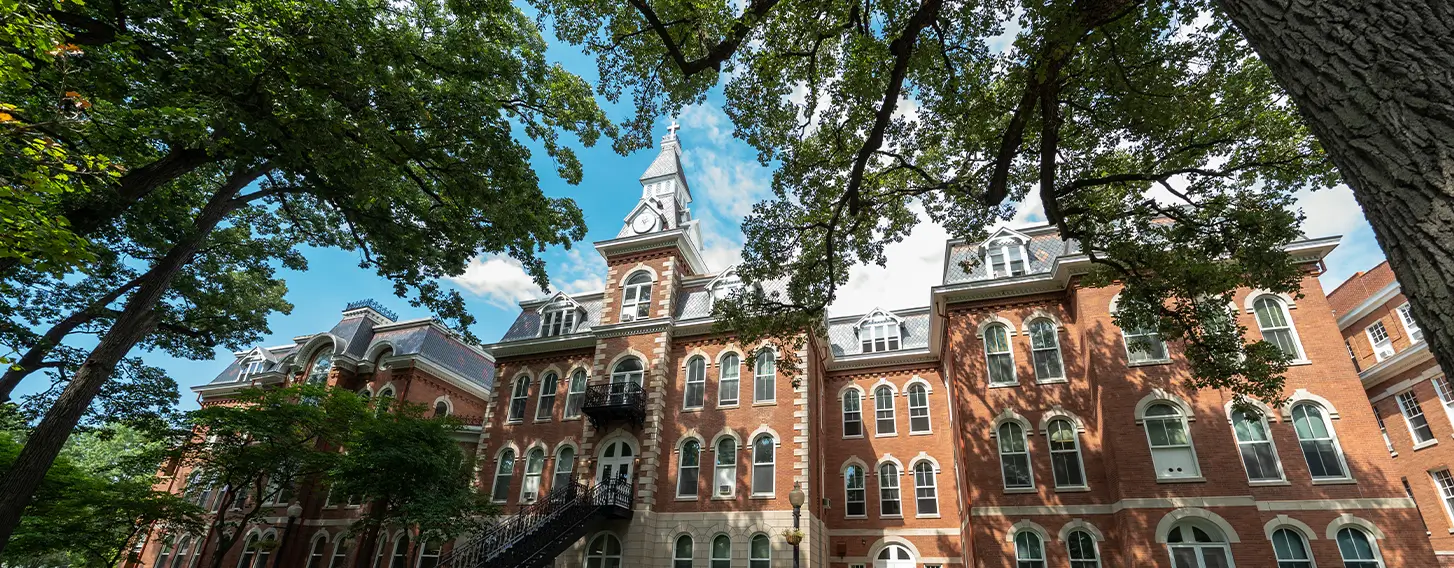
point(1008, 423)
point(1408, 391)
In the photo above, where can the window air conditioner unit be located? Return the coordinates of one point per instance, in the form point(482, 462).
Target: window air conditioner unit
point(724, 490)
point(529, 495)
point(628, 317)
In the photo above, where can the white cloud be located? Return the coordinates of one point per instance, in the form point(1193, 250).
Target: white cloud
point(500, 280)
point(709, 120)
point(914, 265)
point(1337, 212)
point(583, 270)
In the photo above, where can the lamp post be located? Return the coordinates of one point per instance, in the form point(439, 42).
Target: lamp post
point(294, 511)
point(796, 497)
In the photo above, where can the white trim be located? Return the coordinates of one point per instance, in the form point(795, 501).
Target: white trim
point(1347, 519)
point(1159, 395)
point(1055, 412)
point(1362, 310)
point(1286, 522)
point(1303, 395)
point(1163, 528)
point(1081, 525)
point(1027, 525)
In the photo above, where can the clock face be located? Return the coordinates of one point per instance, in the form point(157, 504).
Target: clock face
point(644, 222)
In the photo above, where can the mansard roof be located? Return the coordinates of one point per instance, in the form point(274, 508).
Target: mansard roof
point(913, 328)
point(527, 323)
point(964, 262)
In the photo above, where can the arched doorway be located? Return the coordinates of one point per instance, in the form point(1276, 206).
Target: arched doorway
point(616, 461)
point(894, 556)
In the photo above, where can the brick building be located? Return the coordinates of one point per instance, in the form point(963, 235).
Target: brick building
point(1007, 423)
point(1409, 393)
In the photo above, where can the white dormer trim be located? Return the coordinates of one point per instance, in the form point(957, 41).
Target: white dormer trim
point(552, 303)
point(1004, 232)
point(869, 317)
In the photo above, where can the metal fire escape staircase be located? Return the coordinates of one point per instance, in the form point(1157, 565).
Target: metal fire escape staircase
point(534, 536)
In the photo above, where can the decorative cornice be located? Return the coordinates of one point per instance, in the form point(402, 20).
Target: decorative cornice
point(678, 238)
point(1395, 364)
point(883, 359)
point(1367, 306)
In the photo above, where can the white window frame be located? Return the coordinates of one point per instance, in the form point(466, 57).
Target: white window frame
point(1414, 418)
point(1332, 438)
point(1051, 351)
point(990, 354)
point(1264, 328)
point(888, 490)
point(519, 399)
point(1411, 327)
point(1301, 540)
point(764, 377)
point(1029, 562)
point(549, 384)
point(636, 296)
point(575, 397)
point(677, 560)
point(1382, 429)
point(716, 561)
point(533, 483)
point(724, 468)
point(1444, 484)
point(884, 394)
point(754, 561)
point(1130, 336)
point(854, 416)
point(848, 489)
point(1377, 559)
point(1005, 247)
point(770, 464)
point(1070, 456)
point(1445, 391)
point(322, 357)
point(1180, 416)
point(691, 472)
point(729, 374)
point(919, 411)
point(558, 321)
point(569, 467)
point(1201, 547)
point(1001, 434)
point(880, 334)
point(920, 486)
point(424, 548)
point(696, 380)
point(399, 553)
point(339, 558)
point(1095, 550)
point(1260, 420)
point(500, 494)
point(1382, 349)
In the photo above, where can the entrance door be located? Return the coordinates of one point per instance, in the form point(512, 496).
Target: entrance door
point(615, 462)
point(894, 556)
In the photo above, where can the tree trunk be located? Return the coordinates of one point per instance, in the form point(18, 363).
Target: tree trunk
point(136, 320)
point(1374, 79)
point(35, 356)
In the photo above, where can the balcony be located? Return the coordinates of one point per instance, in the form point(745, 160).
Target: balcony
point(616, 401)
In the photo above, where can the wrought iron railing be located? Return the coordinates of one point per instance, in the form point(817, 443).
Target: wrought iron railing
point(626, 394)
point(534, 525)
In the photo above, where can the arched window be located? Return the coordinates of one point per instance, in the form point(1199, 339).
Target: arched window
point(998, 357)
point(883, 404)
point(926, 490)
point(695, 394)
point(429, 554)
point(852, 414)
point(1172, 452)
point(682, 554)
point(264, 552)
point(888, 490)
point(636, 303)
point(729, 380)
point(880, 333)
point(763, 468)
point(386, 399)
point(1005, 257)
point(722, 552)
point(1084, 553)
point(1144, 346)
point(765, 379)
point(1029, 551)
point(565, 465)
point(545, 403)
point(918, 409)
point(534, 470)
point(1318, 441)
point(726, 475)
point(503, 472)
point(761, 552)
point(340, 554)
point(165, 553)
point(1198, 546)
point(518, 396)
point(250, 552)
point(184, 553)
point(1291, 549)
point(1276, 326)
point(628, 371)
point(559, 321)
point(576, 395)
point(441, 409)
point(379, 366)
point(317, 553)
point(322, 363)
point(604, 552)
point(854, 498)
point(1015, 456)
point(688, 469)
point(1357, 549)
point(365, 394)
point(1259, 456)
point(894, 556)
point(1065, 459)
point(1045, 350)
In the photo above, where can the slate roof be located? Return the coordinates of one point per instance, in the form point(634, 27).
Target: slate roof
point(1041, 252)
point(233, 371)
point(913, 332)
point(527, 324)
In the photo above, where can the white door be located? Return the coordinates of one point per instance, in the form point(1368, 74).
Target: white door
point(615, 462)
point(894, 556)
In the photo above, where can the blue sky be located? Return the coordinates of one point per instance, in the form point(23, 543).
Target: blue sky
point(725, 179)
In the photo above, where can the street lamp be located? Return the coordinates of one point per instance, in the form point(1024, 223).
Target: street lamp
point(294, 511)
point(796, 497)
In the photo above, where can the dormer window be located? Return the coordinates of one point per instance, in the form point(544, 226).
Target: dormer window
point(560, 321)
point(636, 299)
point(252, 367)
point(1005, 257)
point(879, 332)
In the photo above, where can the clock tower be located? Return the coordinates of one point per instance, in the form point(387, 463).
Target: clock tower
point(665, 196)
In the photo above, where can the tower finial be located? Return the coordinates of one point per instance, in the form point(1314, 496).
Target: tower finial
point(671, 131)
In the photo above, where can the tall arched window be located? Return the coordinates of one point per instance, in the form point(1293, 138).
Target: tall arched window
point(765, 378)
point(1084, 553)
point(763, 464)
point(1259, 456)
point(565, 465)
point(1198, 546)
point(503, 472)
point(1045, 350)
point(184, 553)
point(604, 552)
point(854, 498)
point(1065, 459)
point(852, 414)
point(918, 409)
point(998, 356)
point(534, 470)
point(1276, 326)
point(688, 469)
point(682, 554)
point(636, 301)
point(322, 363)
point(926, 490)
point(340, 553)
point(264, 553)
point(1318, 441)
point(1172, 452)
point(518, 396)
point(1291, 549)
point(576, 395)
point(250, 552)
point(1029, 551)
point(726, 474)
point(761, 551)
point(888, 490)
point(545, 403)
point(883, 403)
point(1357, 549)
point(165, 553)
point(1015, 456)
point(721, 552)
point(695, 394)
point(626, 373)
point(317, 552)
point(429, 554)
point(729, 380)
